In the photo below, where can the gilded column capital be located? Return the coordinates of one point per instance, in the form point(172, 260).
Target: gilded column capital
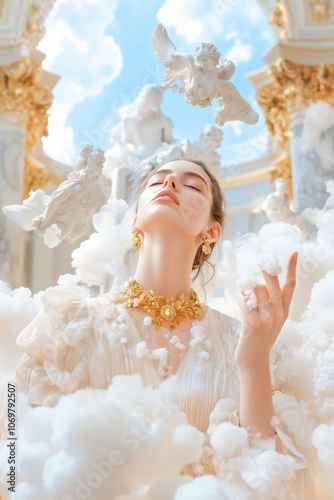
point(294, 86)
point(21, 93)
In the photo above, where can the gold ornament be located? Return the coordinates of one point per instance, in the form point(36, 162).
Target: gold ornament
point(295, 86)
point(159, 307)
point(136, 241)
point(21, 93)
point(36, 177)
point(273, 390)
point(320, 10)
point(206, 249)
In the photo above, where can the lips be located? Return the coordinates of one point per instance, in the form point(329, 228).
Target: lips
point(169, 193)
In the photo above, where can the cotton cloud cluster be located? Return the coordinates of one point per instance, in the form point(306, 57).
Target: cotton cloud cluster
point(102, 444)
point(17, 308)
point(99, 259)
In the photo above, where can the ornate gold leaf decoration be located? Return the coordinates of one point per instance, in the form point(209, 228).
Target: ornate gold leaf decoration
point(161, 308)
point(320, 9)
point(278, 18)
point(20, 92)
point(36, 177)
point(294, 86)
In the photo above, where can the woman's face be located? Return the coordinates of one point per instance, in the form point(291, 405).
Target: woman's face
point(177, 195)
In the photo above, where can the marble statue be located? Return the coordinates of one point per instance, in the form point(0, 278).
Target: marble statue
point(277, 205)
point(142, 130)
point(202, 150)
point(65, 216)
point(203, 77)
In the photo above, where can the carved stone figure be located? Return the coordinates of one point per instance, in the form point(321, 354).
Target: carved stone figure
point(66, 214)
point(277, 205)
point(203, 77)
point(142, 130)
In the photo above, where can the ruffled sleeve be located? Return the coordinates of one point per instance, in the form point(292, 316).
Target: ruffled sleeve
point(259, 468)
point(55, 346)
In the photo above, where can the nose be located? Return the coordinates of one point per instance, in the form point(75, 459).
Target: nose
point(170, 182)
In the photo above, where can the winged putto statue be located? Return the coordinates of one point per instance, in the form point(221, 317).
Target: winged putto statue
point(203, 77)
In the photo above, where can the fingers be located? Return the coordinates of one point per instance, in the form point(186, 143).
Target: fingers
point(263, 304)
point(290, 283)
point(275, 292)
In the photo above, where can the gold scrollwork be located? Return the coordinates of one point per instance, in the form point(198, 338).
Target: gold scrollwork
point(320, 10)
point(278, 17)
point(294, 86)
point(36, 177)
point(20, 92)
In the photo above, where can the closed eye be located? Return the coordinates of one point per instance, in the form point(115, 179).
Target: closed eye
point(155, 183)
point(193, 187)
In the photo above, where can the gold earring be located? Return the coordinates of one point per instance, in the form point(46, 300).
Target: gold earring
point(136, 241)
point(206, 249)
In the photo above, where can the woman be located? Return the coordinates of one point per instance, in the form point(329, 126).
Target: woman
point(75, 342)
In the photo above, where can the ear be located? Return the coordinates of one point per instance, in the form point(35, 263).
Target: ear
point(214, 231)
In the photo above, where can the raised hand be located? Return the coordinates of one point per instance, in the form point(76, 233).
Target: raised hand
point(262, 325)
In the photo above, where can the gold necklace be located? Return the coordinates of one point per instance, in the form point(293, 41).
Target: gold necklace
point(159, 307)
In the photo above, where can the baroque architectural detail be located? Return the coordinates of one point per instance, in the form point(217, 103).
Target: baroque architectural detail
point(36, 177)
point(294, 86)
point(277, 17)
point(320, 9)
point(21, 93)
point(34, 29)
point(283, 170)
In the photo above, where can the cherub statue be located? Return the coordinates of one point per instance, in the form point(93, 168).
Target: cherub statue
point(66, 214)
point(203, 77)
point(277, 205)
point(142, 130)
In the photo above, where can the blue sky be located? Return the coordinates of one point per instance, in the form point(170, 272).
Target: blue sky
point(102, 51)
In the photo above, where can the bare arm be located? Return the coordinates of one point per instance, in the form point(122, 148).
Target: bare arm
point(260, 328)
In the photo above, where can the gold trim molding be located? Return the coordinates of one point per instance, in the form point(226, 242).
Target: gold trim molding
point(37, 177)
point(320, 10)
point(278, 17)
point(295, 86)
point(21, 93)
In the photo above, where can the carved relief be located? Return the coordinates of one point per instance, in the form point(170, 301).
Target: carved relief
point(277, 17)
point(34, 29)
point(320, 9)
point(21, 93)
point(294, 86)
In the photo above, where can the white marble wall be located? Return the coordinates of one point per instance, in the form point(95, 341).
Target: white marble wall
point(12, 157)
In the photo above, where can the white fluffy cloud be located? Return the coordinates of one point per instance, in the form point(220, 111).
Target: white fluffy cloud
point(240, 52)
point(91, 61)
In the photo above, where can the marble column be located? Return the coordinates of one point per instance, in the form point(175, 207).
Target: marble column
point(12, 158)
point(308, 173)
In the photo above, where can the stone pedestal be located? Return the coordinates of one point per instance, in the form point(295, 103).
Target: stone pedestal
point(308, 174)
point(12, 157)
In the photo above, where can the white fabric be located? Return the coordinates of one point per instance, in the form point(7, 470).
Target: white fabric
point(77, 342)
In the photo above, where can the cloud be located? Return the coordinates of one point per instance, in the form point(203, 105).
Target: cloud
point(192, 19)
point(86, 59)
point(240, 52)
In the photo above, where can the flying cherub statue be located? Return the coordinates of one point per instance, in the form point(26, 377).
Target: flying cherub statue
point(66, 215)
point(203, 77)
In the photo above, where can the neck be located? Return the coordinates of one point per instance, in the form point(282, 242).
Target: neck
point(165, 265)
